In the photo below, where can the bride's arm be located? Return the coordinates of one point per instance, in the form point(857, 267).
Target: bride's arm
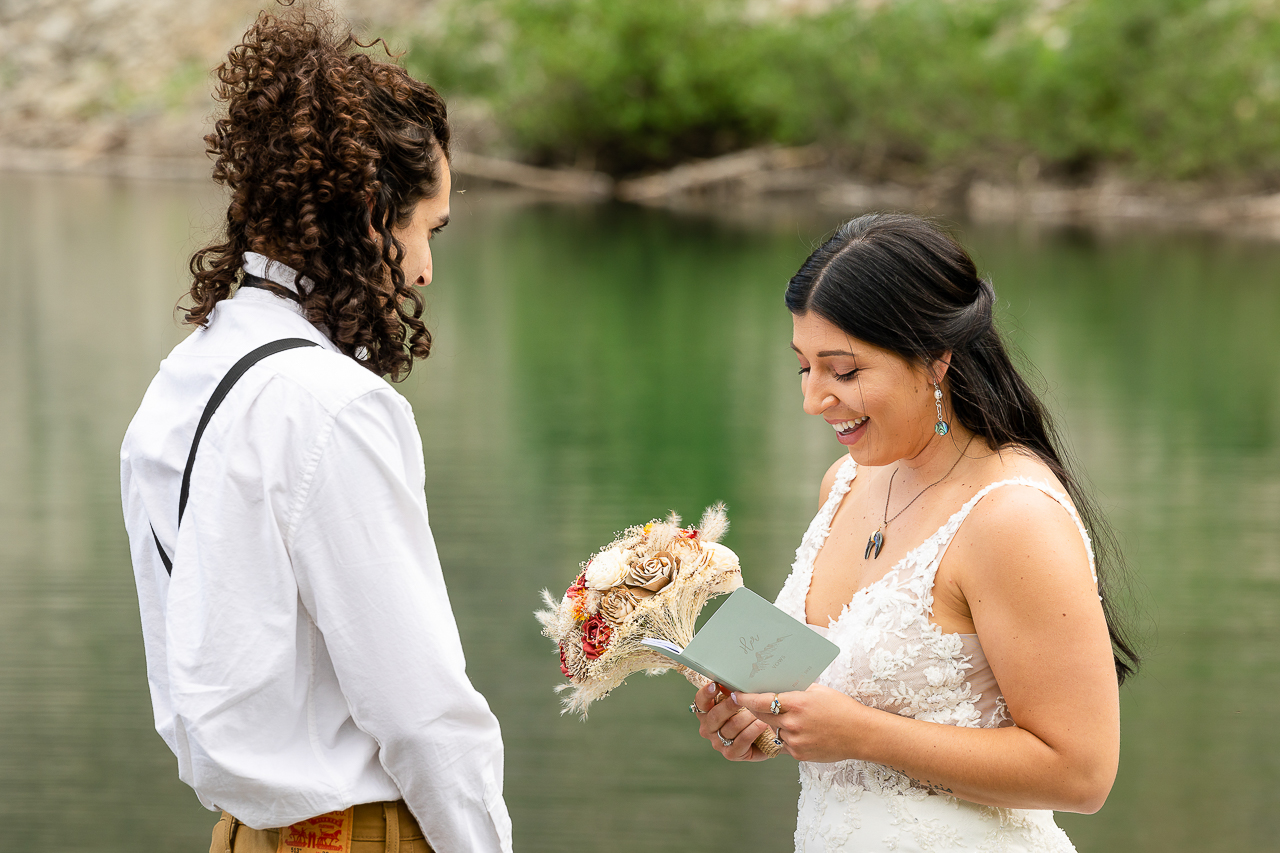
point(1021, 567)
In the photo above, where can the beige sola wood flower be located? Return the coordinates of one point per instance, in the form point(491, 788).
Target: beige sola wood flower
point(651, 581)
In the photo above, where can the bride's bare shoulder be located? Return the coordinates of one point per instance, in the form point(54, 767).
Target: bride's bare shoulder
point(1018, 515)
point(1011, 463)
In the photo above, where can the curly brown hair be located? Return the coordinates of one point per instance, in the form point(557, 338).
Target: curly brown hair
point(324, 150)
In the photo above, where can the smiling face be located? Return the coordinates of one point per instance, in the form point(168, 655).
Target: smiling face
point(429, 216)
point(880, 405)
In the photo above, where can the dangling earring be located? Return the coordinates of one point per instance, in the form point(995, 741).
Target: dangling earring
point(941, 427)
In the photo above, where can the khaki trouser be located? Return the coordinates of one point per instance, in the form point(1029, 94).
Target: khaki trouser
point(369, 835)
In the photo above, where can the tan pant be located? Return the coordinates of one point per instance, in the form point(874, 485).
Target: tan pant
point(369, 833)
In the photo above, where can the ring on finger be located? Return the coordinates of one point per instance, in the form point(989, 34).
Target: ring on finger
point(775, 707)
point(777, 737)
point(694, 709)
point(724, 740)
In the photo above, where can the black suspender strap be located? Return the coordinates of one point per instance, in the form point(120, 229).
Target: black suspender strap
point(164, 558)
point(280, 290)
point(219, 394)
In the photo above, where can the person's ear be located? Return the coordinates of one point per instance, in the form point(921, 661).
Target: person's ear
point(937, 368)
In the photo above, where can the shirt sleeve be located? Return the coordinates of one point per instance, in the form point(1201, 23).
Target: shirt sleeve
point(369, 574)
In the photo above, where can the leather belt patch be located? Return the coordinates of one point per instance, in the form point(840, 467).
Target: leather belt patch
point(327, 833)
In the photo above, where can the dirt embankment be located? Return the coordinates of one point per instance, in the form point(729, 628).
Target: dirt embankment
point(122, 87)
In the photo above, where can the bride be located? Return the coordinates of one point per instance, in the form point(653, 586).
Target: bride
point(976, 689)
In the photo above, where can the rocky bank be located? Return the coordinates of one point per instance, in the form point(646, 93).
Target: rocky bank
point(81, 80)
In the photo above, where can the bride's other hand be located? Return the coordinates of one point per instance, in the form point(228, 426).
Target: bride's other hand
point(818, 724)
point(730, 728)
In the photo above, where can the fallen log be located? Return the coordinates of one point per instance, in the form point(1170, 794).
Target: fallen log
point(736, 167)
point(562, 182)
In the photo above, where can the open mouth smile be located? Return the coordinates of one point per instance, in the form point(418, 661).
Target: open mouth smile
point(848, 427)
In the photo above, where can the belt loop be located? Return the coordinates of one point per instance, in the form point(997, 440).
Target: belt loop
point(392, 813)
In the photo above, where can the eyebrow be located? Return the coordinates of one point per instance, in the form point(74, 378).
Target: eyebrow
point(827, 353)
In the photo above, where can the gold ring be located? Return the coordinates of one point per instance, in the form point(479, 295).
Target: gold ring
point(775, 707)
point(693, 708)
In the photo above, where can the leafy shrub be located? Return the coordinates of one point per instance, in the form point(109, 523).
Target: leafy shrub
point(623, 83)
point(1163, 88)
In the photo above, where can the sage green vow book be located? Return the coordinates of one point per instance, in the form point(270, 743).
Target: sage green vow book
point(751, 646)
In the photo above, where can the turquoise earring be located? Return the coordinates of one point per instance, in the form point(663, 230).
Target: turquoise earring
point(941, 427)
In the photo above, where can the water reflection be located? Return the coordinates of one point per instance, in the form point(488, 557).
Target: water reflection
point(600, 366)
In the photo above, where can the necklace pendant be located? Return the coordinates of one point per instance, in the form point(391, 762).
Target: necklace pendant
point(875, 543)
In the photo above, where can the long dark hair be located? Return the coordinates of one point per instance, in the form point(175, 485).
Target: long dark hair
point(322, 147)
point(903, 285)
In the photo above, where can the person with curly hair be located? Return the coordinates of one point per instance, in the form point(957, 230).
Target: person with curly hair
point(304, 663)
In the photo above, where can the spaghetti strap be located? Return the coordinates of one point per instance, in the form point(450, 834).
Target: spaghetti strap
point(791, 597)
point(948, 531)
point(820, 527)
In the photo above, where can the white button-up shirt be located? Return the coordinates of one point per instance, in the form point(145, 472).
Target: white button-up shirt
point(303, 656)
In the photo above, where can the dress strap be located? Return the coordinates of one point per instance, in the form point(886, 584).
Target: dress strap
point(844, 481)
point(792, 597)
point(948, 531)
point(820, 527)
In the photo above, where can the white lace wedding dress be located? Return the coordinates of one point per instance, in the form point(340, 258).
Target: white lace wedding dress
point(893, 658)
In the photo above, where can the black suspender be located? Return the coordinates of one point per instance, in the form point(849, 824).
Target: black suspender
point(219, 394)
point(280, 290)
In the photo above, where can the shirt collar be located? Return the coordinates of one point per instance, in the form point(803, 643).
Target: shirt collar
point(288, 278)
point(277, 273)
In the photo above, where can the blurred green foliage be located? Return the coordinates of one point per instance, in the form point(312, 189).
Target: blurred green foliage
point(1160, 88)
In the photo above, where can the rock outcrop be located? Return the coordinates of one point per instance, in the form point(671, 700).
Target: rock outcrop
point(87, 79)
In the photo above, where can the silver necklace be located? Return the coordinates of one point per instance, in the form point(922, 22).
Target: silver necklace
point(876, 542)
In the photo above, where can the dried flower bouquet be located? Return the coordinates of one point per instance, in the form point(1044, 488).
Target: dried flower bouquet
point(650, 581)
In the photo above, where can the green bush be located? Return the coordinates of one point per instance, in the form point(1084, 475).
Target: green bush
point(625, 84)
point(1161, 88)
point(1176, 88)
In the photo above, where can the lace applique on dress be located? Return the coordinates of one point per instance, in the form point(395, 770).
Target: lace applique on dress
point(892, 657)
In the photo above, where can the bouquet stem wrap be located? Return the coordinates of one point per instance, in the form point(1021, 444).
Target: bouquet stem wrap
point(764, 742)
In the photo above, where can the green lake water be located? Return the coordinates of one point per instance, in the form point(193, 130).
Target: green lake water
point(596, 367)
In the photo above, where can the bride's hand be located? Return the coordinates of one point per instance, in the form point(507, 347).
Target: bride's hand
point(730, 728)
point(818, 724)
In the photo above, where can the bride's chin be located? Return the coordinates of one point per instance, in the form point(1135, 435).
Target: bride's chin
point(869, 457)
point(859, 455)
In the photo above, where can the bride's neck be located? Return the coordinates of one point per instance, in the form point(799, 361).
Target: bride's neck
point(939, 455)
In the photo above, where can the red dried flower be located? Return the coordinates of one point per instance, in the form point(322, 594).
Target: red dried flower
point(595, 637)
